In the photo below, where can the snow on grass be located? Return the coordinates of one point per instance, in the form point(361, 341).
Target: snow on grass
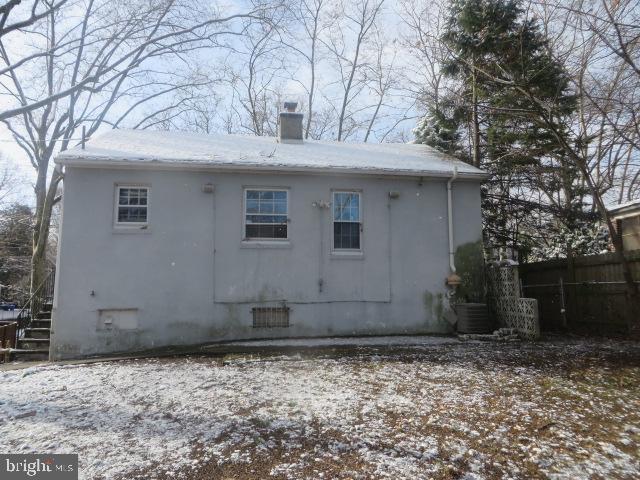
point(447, 411)
point(377, 341)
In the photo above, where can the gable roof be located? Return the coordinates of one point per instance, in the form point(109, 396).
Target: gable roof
point(159, 149)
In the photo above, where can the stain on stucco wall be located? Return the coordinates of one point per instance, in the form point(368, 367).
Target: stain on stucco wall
point(437, 307)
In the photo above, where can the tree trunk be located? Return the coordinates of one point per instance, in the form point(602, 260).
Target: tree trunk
point(373, 118)
point(475, 123)
point(347, 90)
point(312, 86)
point(45, 200)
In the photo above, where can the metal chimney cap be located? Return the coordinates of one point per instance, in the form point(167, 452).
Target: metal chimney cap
point(290, 106)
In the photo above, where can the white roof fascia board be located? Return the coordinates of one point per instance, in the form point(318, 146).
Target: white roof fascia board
point(233, 167)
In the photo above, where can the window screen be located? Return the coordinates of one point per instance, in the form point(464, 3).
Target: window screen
point(346, 221)
point(266, 214)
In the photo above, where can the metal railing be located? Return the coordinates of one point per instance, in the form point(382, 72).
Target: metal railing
point(39, 297)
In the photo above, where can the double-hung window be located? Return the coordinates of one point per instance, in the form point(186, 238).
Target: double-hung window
point(266, 214)
point(132, 205)
point(347, 226)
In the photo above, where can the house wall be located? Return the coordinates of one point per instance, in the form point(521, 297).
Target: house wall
point(630, 228)
point(189, 278)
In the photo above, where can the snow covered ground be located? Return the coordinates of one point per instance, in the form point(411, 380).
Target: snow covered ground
point(374, 341)
point(467, 411)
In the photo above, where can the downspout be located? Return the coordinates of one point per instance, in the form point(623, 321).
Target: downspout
point(453, 280)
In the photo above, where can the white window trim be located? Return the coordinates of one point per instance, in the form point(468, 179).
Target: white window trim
point(357, 252)
point(262, 240)
point(116, 203)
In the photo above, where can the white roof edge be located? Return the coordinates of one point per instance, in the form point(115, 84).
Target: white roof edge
point(179, 164)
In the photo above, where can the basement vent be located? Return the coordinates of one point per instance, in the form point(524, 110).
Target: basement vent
point(270, 317)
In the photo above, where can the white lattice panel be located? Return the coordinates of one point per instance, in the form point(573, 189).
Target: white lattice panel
point(512, 310)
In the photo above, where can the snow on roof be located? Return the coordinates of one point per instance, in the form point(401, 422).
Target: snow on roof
point(238, 152)
point(622, 207)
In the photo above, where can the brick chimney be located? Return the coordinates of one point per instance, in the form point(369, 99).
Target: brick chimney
point(290, 124)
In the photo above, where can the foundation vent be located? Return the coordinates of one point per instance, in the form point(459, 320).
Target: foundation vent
point(270, 317)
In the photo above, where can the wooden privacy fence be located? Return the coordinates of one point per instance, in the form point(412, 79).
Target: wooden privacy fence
point(586, 293)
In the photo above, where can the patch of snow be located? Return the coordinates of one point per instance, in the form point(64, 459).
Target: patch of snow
point(382, 341)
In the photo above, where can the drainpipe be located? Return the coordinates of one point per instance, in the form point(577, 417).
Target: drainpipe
point(453, 280)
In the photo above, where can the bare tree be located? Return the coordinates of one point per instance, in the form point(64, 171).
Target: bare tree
point(7, 183)
point(203, 113)
point(421, 69)
point(602, 81)
point(422, 77)
point(380, 76)
point(598, 43)
point(353, 26)
point(38, 10)
point(623, 30)
point(305, 41)
point(255, 74)
point(97, 67)
point(324, 120)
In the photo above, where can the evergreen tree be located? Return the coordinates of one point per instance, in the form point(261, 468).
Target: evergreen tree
point(440, 129)
point(493, 49)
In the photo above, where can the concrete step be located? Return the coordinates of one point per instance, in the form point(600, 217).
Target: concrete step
point(46, 307)
point(37, 332)
point(41, 323)
point(43, 315)
point(33, 343)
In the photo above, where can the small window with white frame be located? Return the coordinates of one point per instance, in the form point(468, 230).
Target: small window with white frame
point(132, 205)
point(347, 224)
point(266, 214)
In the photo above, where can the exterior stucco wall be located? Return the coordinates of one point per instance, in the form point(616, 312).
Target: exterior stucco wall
point(630, 231)
point(190, 278)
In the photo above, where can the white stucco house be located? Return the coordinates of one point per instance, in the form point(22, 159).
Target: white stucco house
point(171, 238)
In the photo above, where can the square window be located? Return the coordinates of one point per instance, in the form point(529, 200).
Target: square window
point(132, 205)
point(266, 214)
